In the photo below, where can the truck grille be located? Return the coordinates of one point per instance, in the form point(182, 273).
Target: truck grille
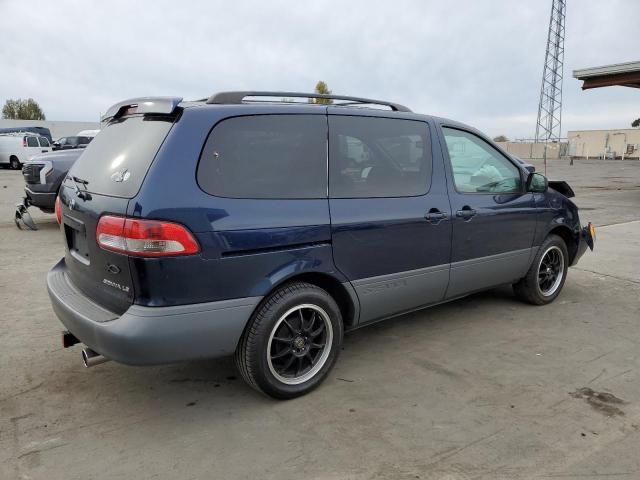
point(31, 172)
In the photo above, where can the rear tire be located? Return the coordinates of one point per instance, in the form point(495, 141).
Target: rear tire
point(291, 342)
point(547, 274)
point(14, 163)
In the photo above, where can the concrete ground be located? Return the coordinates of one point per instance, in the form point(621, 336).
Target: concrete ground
point(482, 388)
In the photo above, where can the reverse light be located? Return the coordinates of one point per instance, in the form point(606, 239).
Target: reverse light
point(58, 211)
point(144, 238)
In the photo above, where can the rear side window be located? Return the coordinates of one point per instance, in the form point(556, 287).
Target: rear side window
point(266, 156)
point(378, 157)
point(32, 142)
point(116, 161)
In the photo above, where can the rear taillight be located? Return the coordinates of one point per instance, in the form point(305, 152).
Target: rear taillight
point(144, 238)
point(24, 142)
point(58, 210)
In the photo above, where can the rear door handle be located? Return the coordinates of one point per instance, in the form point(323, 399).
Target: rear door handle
point(435, 215)
point(466, 212)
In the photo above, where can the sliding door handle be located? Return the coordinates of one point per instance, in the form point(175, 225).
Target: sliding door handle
point(435, 215)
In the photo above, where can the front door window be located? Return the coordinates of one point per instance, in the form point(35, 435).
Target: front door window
point(478, 167)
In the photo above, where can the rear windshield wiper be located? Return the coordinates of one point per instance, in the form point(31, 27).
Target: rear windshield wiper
point(84, 193)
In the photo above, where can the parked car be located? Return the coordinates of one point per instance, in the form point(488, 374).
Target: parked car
point(42, 131)
point(68, 143)
point(17, 148)
point(43, 175)
point(266, 230)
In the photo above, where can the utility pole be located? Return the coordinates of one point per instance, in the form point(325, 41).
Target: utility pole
point(549, 124)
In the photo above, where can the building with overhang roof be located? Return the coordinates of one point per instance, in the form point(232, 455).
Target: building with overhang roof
point(619, 74)
point(618, 143)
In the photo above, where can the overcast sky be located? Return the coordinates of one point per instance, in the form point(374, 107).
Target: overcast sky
point(479, 62)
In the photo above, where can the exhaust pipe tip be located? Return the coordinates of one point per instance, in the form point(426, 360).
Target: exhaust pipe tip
point(91, 358)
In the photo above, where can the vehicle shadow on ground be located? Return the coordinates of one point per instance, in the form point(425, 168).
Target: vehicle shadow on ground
point(217, 381)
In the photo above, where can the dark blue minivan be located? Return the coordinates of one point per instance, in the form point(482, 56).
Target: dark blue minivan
point(244, 224)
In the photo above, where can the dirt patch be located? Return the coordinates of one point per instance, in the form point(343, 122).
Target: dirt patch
point(603, 402)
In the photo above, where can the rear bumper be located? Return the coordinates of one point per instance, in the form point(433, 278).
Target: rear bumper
point(150, 335)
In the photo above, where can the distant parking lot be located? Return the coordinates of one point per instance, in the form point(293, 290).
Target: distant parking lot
point(485, 387)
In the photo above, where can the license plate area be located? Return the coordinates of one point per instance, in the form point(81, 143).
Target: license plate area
point(76, 235)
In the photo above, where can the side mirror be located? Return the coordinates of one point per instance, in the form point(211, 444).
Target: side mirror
point(538, 183)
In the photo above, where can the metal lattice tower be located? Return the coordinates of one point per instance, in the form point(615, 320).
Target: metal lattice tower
point(549, 124)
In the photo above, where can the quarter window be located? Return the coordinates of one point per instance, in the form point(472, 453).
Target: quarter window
point(32, 142)
point(266, 156)
point(478, 167)
point(378, 157)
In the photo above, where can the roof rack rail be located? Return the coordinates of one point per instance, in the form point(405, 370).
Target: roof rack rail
point(238, 97)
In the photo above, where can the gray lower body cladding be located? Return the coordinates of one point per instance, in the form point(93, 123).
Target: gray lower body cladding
point(150, 335)
point(157, 335)
point(469, 276)
point(389, 295)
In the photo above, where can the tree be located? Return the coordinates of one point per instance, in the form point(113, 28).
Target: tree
point(636, 123)
point(322, 88)
point(500, 138)
point(22, 110)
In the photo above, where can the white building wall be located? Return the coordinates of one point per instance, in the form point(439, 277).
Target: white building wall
point(531, 150)
point(598, 143)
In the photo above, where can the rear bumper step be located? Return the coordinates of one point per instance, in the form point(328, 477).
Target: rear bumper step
point(149, 335)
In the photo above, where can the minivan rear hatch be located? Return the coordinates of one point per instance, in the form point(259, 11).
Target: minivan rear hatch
point(101, 182)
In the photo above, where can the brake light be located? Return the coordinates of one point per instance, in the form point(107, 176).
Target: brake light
point(144, 238)
point(24, 141)
point(58, 210)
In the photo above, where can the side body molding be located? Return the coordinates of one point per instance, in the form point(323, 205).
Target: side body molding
point(395, 293)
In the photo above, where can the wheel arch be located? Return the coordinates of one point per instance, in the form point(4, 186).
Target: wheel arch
point(570, 240)
point(342, 292)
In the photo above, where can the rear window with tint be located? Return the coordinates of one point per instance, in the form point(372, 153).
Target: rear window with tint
point(266, 156)
point(117, 159)
point(378, 157)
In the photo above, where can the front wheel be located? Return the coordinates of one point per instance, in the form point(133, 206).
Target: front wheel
point(547, 274)
point(291, 342)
